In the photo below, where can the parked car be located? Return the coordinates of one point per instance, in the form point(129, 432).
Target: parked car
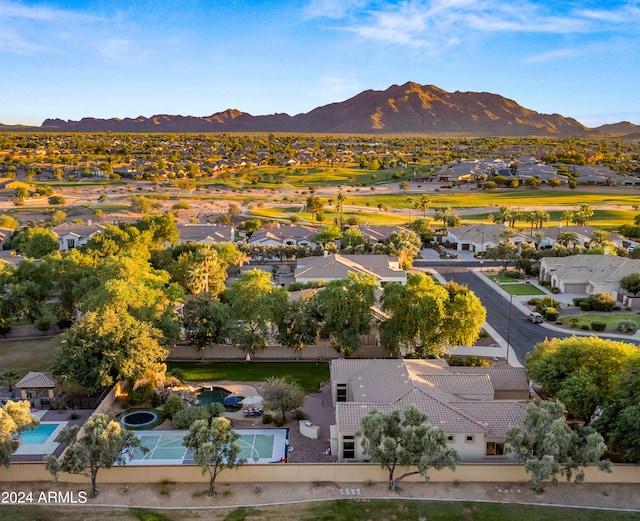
point(535, 318)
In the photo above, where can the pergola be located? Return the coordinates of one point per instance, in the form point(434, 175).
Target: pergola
point(37, 385)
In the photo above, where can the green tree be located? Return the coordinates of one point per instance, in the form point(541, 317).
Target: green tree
point(20, 194)
point(554, 182)
point(328, 234)
point(252, 225)
point(207, 323)
point(345, 305)
point(448, 216)
point(567, 217)
point(253, 298)
point(422, 203)
point(15, 418)
point(353, 239)
point(9, 378)
point(548, 447)
point(282, 394)
point(422, 227)
point(58, 217)
point(631, 283)
point(505, 252)
point(35, 242)
point(143, 204)
point(298, 323)
point(103, 444)
point(7, 221)
point(105, 347)
point(406, 245)
point(57, 200)
point(425, 318)
point(400, 441)
point(579, 371)
point(214, 447)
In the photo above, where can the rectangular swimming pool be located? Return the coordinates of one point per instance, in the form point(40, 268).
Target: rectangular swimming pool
point(40, 434)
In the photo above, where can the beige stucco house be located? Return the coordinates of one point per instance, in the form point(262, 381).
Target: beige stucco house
point(475, 406)
point(385, 268)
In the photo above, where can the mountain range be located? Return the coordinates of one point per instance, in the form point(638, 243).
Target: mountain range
point(401, 109)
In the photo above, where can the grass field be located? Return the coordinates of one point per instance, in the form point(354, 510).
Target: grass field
point(611, 319)
point(23, 356)
point(308, 374)
point(340, 510)
point(521, 290)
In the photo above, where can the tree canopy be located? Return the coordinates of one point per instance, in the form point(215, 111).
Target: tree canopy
point(214, 447)
point(345, 305)
point(15, 418)
point(425, 317)
point(548, 447)
point(402, 440)
point(105, 347)
point(282, 394)
point(579, 371)
point(103, 444)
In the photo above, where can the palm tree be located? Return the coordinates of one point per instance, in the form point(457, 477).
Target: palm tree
point(600, 238)
point(9, 378)
point(567, 217)
point(446, 215)
point(567, 238)
point(537, 237)
point(422, 203)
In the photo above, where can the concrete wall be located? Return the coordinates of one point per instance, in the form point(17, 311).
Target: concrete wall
point(229, 352)
point(291, 472)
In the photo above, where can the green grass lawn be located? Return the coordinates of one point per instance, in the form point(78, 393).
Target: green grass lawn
point(611, 319)
point(23, 356)
point(307, 374)
point(339, 510)
point(519, 289)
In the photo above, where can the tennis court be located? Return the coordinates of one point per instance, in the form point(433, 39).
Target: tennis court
point(166, 448)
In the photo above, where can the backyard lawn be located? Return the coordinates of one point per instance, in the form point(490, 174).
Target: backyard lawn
point(23, 356)
point(308, 374)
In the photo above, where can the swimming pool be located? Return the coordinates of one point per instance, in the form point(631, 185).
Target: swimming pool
point(40, 434)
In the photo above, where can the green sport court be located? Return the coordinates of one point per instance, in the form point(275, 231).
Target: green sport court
point(166, 448)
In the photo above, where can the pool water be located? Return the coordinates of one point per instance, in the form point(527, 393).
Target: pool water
point(213, 395)
point(39, 435)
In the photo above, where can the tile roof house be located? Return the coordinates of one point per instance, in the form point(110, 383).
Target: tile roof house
point(379, 234)
point(35, 385)
point(385, 268)
point(475, 406)
point(205, 233)
point(587, 274)
point(290, 235)
point(479, 237)
point(70, 235)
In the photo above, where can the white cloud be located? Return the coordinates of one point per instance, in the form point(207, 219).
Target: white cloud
point(551, 56)
point(436, 25)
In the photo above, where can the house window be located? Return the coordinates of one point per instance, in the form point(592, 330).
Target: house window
point(469, 439)
point(348, 447)
point(341, 393)
point(71, 243)
point(494, 449)
point(450, 438)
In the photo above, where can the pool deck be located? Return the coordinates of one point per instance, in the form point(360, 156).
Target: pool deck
point(48, 447)
point(248, 391)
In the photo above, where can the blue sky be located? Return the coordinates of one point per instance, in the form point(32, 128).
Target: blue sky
point(107, 58)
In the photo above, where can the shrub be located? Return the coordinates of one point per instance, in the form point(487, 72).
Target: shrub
point(512, 274)
point(598, 326)
point(555, 291)
point(178, 373)
point(602, 302)
point(141, 393)
point(299, 415)
point(627, 326)
point(585, 305)
point(184, 418)
point(577, 300)
point(172, 406)
point(267, 419)
point(534, 301)
point(584, 327)
point(573, 322)
point(551, 314)
point(156, 399)
point(258, 488)
point(483, 333)
point(278, 421)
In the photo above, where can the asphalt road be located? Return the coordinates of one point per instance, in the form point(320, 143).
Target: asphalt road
point(520, 334)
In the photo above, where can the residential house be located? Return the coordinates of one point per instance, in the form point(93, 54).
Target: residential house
point(587, 274)
point(479, 237)
point(385, 268)
point(71, 235)
point(475, 406)
point(379, 234)
point(583, 235)
point(290, 235)
point(205, 233)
